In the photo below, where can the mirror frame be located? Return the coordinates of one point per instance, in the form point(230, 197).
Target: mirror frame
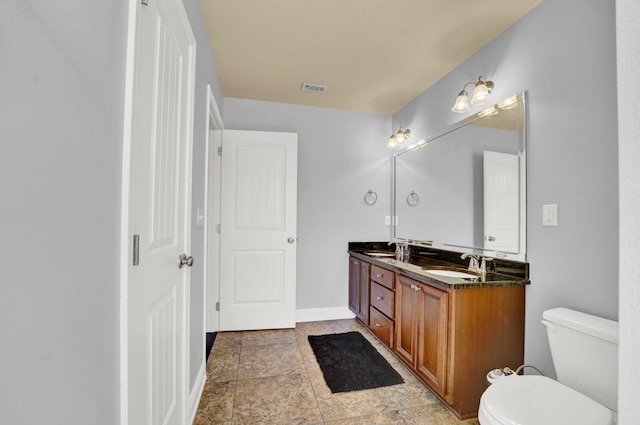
point(522, 201)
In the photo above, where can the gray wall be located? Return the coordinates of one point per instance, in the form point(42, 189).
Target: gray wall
point(206, 73)
point(341, 155)
point(628, 56)
point(61, 123)
point(61, 126)
point(563, 52)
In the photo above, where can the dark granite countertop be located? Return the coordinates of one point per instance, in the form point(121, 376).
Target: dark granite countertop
point(500, 272)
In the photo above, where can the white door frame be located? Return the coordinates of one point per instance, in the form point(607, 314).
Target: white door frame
point(212, 190)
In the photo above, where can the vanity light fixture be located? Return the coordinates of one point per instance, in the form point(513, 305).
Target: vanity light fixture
point(481, 95)
point(398, 138)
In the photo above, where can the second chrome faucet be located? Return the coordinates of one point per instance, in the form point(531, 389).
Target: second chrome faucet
point(478, 265)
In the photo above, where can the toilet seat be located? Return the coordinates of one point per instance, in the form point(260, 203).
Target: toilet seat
point(536, 400)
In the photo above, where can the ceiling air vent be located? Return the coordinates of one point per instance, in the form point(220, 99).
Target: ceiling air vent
point(315, 88)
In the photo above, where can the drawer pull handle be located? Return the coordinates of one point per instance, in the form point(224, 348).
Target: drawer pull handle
point(378, 298)
point(413, 286)
point(378, 325)
point(378, 275)
point(417, 288)
point(357, 263)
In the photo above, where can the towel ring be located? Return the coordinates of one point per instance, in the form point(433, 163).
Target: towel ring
point(413, 199)
point(370, 197)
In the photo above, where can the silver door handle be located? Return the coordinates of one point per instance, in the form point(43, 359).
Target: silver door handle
point(291, 240)
point(183, 260)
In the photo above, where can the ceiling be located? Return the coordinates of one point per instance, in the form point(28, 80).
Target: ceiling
point(374, 55)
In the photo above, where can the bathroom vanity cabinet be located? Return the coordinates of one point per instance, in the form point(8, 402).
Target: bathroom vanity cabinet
point(449, 336)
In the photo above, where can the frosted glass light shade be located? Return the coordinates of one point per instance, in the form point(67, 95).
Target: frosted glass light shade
point(480, 94)
point(462, 103)
point(392, 144)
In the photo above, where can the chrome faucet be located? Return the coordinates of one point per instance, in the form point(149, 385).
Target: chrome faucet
point(473, 262)
point(478, 265)
point(401, 249)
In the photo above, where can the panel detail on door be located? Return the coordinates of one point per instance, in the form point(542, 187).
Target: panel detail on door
point(165, 138)
point(259, 277)
point(260, 200)
point(161, 356)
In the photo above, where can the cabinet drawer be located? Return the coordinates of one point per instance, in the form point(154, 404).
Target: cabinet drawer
point(383, 276)
point(383, 299)
point(381, 326)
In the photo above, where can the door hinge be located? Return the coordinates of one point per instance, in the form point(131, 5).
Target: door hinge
point(218, 228)
point(219, 150)
point(218, 306)
point(136, 250)
point(144, 2)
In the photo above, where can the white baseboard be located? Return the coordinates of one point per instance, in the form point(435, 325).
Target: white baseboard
point(196, 392)
point(319, 314)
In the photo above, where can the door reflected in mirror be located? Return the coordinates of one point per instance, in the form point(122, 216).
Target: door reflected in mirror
point(465, 188)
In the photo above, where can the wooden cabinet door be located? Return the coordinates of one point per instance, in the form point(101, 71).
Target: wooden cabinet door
point(359, 288)
point(406, 316)
point(433, 320)
point(364, 292)
point(354, 282)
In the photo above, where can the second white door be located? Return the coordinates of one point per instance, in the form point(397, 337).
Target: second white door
point(258, 230)
point(501, 202)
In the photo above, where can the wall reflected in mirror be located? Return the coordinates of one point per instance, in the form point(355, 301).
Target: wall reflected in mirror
point(464, 188)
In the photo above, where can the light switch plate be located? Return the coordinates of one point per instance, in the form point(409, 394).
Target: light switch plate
point(550, 215)
point(199, 217)
point(387, 220)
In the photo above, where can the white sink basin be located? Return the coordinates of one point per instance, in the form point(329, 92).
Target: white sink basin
point(451, 273)
point(380, 254)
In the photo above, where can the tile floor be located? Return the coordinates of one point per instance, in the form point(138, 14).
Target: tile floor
point(272, 377)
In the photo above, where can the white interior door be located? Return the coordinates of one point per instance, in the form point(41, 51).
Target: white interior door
point(501, 201)
point(157, 296)
point(258, 230)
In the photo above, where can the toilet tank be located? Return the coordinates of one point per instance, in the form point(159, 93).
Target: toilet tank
point(585, 353)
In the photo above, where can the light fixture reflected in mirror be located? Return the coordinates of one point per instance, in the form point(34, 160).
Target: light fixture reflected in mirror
point(417, 145)
point(398, 138)
point(481, 95)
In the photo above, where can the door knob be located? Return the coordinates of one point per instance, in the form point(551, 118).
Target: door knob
point(489, 238)
point(183, 260)
point(291, 240)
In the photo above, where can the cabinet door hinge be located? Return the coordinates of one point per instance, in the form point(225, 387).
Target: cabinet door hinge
point(218, 306)
point(136, 250)
point(218, 228)
point(144, 2)
point(219, 150)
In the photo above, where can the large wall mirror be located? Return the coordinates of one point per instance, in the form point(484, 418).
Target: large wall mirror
point(464, 188)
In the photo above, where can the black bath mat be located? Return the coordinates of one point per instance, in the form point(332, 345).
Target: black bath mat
point(350, 363)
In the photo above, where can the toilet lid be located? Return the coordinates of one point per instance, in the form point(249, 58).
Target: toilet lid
point(535, 400)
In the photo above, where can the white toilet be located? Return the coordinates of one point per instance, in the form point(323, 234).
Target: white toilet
point(585, 355)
